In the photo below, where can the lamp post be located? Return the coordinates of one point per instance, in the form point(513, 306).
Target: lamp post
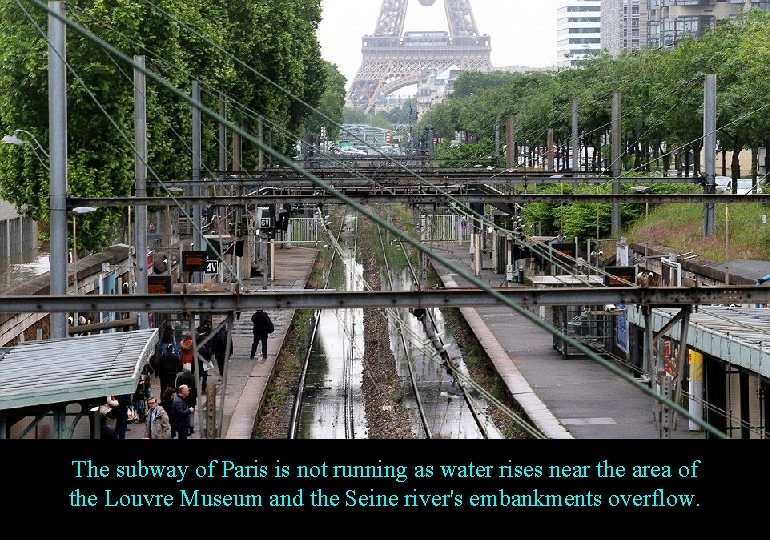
point(77, 211)
point(15, 139)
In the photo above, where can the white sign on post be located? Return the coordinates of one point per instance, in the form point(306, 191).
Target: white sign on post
point(212, 266)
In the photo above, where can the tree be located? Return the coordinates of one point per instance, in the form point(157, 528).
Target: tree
point(331, 104)
point(264, 56)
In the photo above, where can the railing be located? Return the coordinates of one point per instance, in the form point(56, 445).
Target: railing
point(304, 230)
point(446, 228)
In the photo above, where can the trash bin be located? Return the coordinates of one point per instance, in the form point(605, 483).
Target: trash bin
point(520, 275)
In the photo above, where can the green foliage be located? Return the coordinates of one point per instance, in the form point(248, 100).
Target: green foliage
point(330, 105)
point(376, 119)
point(462, 156)
point(263, 55)
point(403, 114)
point(681, 226)
point(661, 94)
point(589, 220)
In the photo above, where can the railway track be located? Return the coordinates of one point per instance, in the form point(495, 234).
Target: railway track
point(340, 384)
point(446, 385)
point(439, 400)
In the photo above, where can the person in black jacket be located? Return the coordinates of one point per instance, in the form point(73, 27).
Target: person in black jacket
point(121, 415)
point(181, 413)
point(219, 348)
point(187, 378)
point(168, 367)
point(204, 353)
point(263, 326)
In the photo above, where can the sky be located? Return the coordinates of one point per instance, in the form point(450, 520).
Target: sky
point(523, 32)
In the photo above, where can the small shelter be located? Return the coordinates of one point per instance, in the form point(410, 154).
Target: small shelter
point(48, 387)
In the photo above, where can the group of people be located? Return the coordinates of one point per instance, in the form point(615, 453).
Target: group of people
point(169, 420)
point(172, 416)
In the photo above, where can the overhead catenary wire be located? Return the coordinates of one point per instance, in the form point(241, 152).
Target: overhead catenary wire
point(461, 209)
point(129, 143)
point(356, 205)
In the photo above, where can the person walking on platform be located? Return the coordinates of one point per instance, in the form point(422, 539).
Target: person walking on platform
point(263, 326)
point(219, 348)
point(121, 415)
point(187, 378)
point(187, 354)
point(204, 354)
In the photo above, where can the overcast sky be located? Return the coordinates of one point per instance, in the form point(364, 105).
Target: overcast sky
point(523, 32)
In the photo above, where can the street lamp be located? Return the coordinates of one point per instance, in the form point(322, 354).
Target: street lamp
point(15, 139)
point(77, 211)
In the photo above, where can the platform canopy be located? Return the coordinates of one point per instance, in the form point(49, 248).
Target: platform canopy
point(82, 368)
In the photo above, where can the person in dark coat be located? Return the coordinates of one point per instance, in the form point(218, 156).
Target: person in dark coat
point(187, 378)
point(204, 353)
point(181, 413)
point(121, 415)
point(168, 367)
point(263, 326)
point(219, 348)
point(167, 338)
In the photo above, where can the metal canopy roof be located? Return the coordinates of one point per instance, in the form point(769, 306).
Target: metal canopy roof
point(739, 335)
point(74, 369)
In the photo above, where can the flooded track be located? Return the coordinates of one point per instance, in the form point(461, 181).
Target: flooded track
point(330, 403)
point(428, 358)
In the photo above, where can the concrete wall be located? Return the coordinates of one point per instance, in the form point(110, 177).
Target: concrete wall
point(12, 326)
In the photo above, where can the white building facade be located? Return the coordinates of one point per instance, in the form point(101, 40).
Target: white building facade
point(629, 25)
point(578, 31)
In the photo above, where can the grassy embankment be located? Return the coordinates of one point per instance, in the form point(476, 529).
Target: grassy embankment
point(680, 228)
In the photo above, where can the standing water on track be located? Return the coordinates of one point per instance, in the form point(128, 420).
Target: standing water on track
point(443, 403)
point(332, 400)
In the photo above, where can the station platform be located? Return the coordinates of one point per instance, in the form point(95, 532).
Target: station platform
point(246, 379)
point(572, 398)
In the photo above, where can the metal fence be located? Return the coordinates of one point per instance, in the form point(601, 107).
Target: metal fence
point(304, 230)
point(446, 228)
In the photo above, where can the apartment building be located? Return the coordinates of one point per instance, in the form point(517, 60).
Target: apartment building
point(628, 25)
point(672, 20)
point(578, 31)
point(624, 25)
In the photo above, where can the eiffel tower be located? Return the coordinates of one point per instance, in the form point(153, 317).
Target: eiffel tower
point(393, 59)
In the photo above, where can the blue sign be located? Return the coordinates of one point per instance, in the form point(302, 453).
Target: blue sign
point(621, 330)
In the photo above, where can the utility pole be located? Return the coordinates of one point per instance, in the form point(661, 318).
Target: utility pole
point(222, 219)
point(222, 139)
point(510, 142)
point(549, 151)
point(616, 156)
point(261, 136)
point(140, 172)
point(574, 142)
point(709, 148)
point(196, 172)
point(237, 228)
point(57, 127)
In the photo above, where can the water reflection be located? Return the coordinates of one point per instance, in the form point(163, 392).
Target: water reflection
point(20, 270)
point(332, 406)
point(443, 404)
point(332, 403)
